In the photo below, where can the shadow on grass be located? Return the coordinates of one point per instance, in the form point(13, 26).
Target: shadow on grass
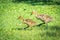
point(49, 33)
point(55, 27)
point(53, 32)
point(38, 2)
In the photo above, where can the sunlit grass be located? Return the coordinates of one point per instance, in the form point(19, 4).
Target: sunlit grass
point(8, 20)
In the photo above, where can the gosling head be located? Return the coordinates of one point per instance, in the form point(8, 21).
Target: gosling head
point(20, 17)
point(34, 12)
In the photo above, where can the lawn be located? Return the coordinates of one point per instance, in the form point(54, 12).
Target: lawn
point(10, 11)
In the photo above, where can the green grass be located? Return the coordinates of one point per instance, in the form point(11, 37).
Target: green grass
point(9, 12)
